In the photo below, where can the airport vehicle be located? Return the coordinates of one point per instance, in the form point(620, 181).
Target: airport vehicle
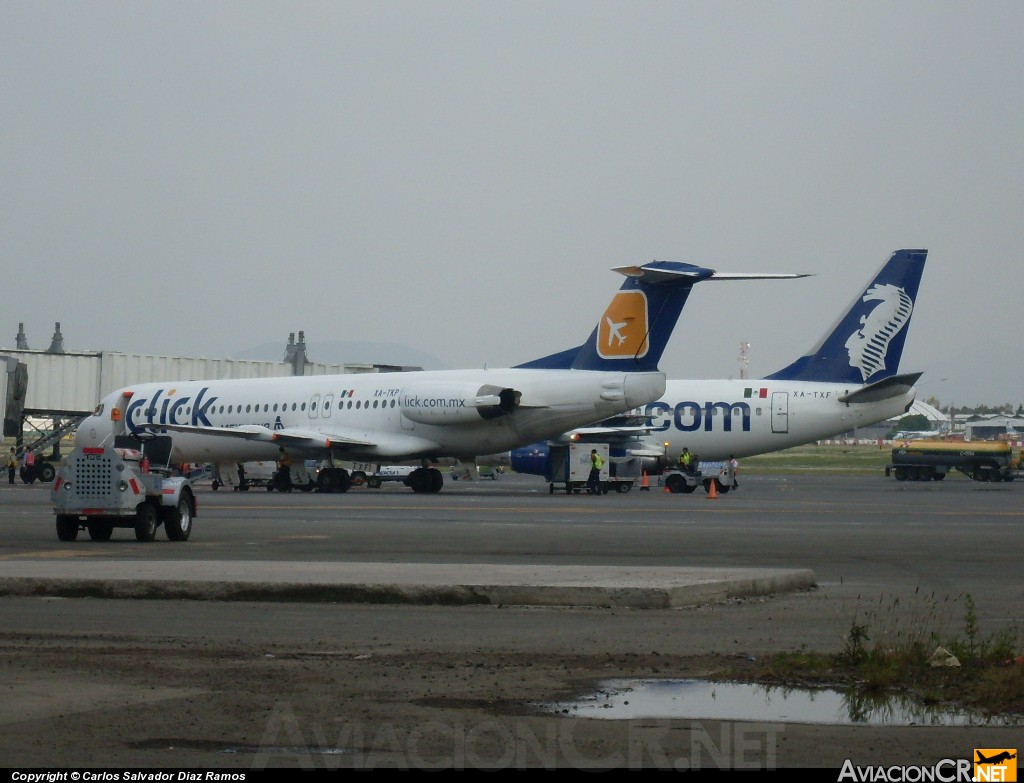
point(389, 417)
point(931, 460)
point(99, 488)
point(569, 469)
point(849, 379)
point(707, 473)
point(385, 473)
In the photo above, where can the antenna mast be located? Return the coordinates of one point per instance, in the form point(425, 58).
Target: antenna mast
point(744, 359)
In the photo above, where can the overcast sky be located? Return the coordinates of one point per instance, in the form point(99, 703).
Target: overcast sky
point(195, 178)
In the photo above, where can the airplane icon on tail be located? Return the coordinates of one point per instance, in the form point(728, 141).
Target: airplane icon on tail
point(615, 331)
point(999, 758)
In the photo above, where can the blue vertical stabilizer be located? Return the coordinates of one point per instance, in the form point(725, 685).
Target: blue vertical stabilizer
point(865, 344)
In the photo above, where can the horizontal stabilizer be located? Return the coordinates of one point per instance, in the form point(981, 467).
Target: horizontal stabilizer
point(632, 333)
point(895, 386)
point(758, 275)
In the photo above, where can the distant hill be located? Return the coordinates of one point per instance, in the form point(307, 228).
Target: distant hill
point(347, 352)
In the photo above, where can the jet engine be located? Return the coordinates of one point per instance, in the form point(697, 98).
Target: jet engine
point(456, 403)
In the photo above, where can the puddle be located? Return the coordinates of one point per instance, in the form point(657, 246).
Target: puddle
point(702, 699)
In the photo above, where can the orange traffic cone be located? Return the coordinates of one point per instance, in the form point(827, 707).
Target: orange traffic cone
point(645, 483)
point(713, 490)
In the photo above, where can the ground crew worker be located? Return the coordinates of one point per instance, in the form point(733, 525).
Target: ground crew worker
point(686, 461)
point(283, 480)
point(28, 466)
point(12, 466)
point(594, 479)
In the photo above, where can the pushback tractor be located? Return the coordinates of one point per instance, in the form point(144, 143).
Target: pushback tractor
point(100, 488)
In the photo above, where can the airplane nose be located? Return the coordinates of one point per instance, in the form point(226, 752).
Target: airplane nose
point(87, 433)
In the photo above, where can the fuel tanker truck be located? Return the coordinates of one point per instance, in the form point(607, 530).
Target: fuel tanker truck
point(931, 460)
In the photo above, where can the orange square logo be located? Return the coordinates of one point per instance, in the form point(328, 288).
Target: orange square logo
point(995, 764)
point(622, 332)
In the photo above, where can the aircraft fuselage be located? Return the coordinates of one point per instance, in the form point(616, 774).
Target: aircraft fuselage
point(458, 413)
point(715, 418)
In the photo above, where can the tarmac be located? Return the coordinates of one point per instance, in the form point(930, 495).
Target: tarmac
point(397, 583)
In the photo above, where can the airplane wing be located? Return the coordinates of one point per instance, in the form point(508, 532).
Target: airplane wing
point(256, 432)
point(587, 432)
point(645, 452)
point(384, 445)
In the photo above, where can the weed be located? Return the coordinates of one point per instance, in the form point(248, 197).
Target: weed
point(888, 649)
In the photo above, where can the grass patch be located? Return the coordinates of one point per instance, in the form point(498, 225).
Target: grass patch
point(832, 458)
point(893, 650)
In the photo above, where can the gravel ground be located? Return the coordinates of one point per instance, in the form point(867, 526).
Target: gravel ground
point(207, 685)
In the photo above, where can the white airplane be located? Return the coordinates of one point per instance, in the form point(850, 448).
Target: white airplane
point(423, 415)
point(849, 379)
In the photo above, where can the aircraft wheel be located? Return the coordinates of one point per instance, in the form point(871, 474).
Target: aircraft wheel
point(344, 480)
point(67, 527)
point(417, 481)
point(435, 479)
point(358, 478)
point(145, 522)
